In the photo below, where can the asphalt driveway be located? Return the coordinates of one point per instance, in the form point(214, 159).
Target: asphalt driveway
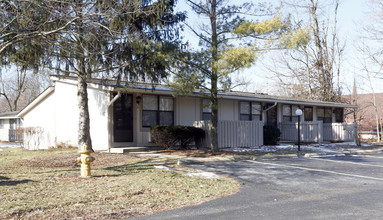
point(331, 187)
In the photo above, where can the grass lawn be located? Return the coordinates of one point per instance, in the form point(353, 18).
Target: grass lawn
point(46, 185)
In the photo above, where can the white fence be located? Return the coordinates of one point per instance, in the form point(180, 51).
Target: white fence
point(318, 131)
point(310, 131)
point(234, 133)
point(339, 131)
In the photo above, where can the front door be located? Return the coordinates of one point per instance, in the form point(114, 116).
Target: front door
point(123, 119)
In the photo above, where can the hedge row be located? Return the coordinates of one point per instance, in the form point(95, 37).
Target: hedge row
point(169, 136)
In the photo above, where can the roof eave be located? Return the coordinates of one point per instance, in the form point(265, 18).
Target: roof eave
point(286, 101)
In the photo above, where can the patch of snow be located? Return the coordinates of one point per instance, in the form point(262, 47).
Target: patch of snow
point(10, 145)
point(320, 148)
point(333, 155)
point(162, 167)
point(207, 175)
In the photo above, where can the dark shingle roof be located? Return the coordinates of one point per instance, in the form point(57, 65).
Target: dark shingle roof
point(9, 115)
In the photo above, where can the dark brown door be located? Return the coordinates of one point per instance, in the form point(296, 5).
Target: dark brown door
point(271, 115)
point(123, 119)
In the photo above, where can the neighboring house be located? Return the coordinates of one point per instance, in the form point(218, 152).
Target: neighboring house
point(122, 117)
point(10, 125)
point(366, 115)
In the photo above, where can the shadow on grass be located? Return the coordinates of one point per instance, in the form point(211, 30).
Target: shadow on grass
point(139, 166)
point(58, 170)
point(5, 181)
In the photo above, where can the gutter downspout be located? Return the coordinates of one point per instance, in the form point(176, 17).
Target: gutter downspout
point(109, 105)
point(275, 104)
point(357, 109)
point(266, 110)
point(114, 99)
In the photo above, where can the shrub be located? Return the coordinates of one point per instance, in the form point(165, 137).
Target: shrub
point(168, 136)
point(163, 136)
point(271, 135)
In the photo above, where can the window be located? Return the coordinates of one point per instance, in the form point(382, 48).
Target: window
point(250, 111)
point(324, 114)
point(1, 123)
point(309, 116)
point(339, 115)
point(157, 110)
point(19, 123)
point(12, 124)
point(206, 110)
point(289, 113)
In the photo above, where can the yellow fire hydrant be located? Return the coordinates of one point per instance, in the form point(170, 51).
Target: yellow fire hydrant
point(85, 159)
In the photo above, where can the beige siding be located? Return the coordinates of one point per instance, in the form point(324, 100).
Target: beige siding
point(228, 110)
point(187, 110)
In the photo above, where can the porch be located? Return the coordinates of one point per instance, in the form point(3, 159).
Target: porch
point(11, 135)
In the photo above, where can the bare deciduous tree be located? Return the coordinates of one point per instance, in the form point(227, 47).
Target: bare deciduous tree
point(313, 69)
point(372, 53)
point(19, 88)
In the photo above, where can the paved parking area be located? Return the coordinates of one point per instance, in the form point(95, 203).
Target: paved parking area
point(326, 187)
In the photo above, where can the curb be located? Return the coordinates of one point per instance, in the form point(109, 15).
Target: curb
point(189, 160)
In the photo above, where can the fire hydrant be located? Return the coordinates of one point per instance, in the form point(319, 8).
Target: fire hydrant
point(85, 159)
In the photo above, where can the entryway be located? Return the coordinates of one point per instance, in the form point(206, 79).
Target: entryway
point(123, 118)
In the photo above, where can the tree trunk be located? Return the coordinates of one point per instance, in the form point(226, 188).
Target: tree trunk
point(84, 121)
point(82, 92)
point(375, 107)
point(324, 60)
point(214, 78)
point(377, 118)
point(214, 121)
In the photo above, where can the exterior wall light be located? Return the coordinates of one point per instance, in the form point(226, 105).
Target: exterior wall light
point(138, 99)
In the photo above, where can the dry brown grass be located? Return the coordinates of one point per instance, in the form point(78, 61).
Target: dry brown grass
point(46, 185)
